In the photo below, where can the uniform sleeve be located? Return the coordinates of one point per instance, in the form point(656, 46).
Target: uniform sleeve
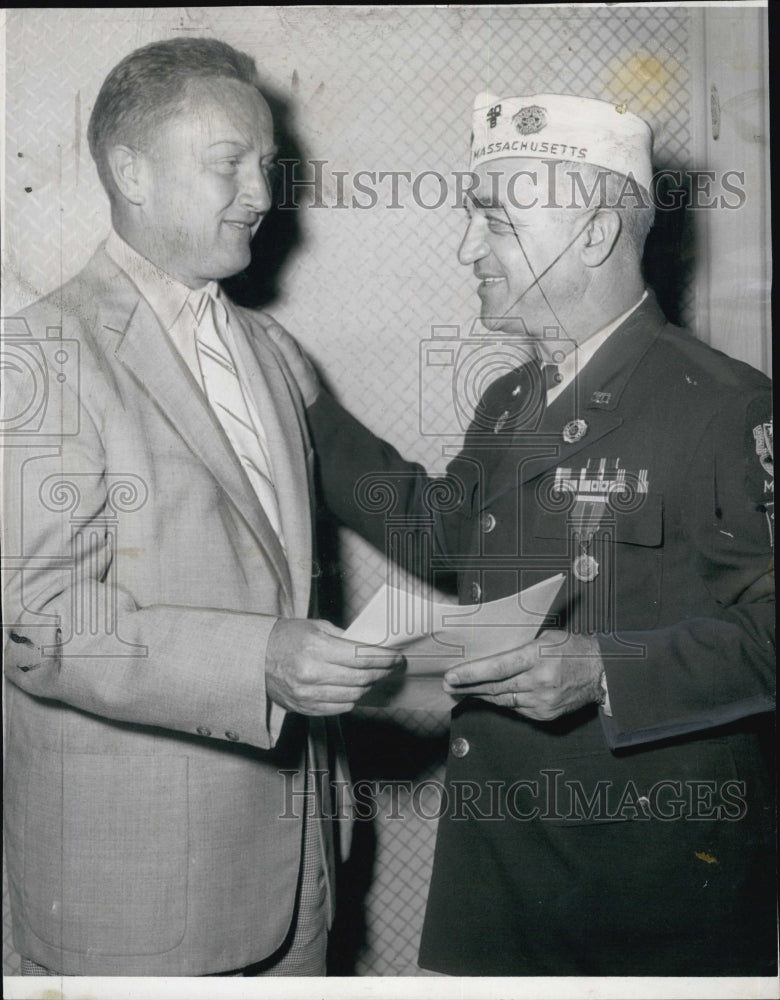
point(364, 481)
point(709, 671)
point(74, 634)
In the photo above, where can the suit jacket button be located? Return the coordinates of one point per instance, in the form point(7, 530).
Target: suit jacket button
point(475, 592)
point(487, 522)
point(230, 735)
point(203, 731)
point(459, 747)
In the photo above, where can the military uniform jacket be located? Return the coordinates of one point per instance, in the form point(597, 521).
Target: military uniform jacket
point(637, 843)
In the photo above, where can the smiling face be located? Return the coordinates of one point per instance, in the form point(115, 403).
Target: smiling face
point(204, 179)
point(524, 254)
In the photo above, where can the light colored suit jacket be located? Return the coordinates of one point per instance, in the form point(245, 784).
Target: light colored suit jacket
point(150, 827)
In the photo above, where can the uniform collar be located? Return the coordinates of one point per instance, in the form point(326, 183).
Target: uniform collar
point(587, 407)
point(602, 382)
point(575, 361)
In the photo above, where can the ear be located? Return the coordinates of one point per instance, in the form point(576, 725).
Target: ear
point(600, 236)
point(127, 170)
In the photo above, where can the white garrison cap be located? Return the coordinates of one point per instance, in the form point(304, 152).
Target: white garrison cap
point(562, 127)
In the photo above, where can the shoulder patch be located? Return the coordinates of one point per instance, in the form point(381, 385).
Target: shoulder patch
point(762, 435)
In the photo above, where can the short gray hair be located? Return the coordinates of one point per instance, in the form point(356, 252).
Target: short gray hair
point(147, 87)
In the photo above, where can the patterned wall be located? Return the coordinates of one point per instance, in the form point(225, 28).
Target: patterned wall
point(374, 89)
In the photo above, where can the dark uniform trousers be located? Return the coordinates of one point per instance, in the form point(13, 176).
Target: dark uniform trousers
point(641, 843)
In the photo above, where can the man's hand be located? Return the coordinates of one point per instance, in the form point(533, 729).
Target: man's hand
point(311, 670)
point(539, 686)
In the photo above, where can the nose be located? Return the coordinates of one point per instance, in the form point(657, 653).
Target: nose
point(255, 195)
point(474, 245)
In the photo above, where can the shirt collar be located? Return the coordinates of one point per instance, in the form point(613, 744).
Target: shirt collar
point(576, 360)
point(165, 294)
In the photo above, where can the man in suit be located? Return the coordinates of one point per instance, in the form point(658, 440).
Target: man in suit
point(168, 694)
point(608, 806)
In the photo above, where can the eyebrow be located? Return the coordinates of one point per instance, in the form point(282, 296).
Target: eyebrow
point(484, 204)
point(238, 144)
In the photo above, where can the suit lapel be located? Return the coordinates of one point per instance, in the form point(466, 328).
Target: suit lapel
point(594, 398)
point(283, 427)
point(147, 352)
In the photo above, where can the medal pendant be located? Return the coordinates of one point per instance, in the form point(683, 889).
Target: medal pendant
point(585, 568)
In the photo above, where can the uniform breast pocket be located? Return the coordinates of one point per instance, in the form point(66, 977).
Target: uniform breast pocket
point(614, 557)
point(105, 852)
point(636, 570)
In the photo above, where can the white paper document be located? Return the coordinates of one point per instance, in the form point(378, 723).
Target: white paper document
point(437, 636)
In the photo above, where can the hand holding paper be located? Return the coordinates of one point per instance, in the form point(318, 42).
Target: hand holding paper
point(541, 678)
point(436, 637)
point(312, 669)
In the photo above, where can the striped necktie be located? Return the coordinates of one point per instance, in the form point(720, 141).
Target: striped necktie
point(229, 400)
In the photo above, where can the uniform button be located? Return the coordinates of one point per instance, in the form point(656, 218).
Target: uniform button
point(487, 523)
point(459, 747)
point(203, 731)
point(476, 592)
point(230, 735)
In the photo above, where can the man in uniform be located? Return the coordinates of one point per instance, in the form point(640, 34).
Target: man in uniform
point(615, 806)
point(165, 683)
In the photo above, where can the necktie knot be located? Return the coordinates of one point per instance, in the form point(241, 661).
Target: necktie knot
point(200, 299)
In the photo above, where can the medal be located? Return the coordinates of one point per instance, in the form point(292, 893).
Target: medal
point(575, 431)
point(588, 514)
point(585, 568)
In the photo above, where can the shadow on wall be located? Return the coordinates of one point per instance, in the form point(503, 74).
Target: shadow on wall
point(670, 250)
point(280, 233)
point(382, 751)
